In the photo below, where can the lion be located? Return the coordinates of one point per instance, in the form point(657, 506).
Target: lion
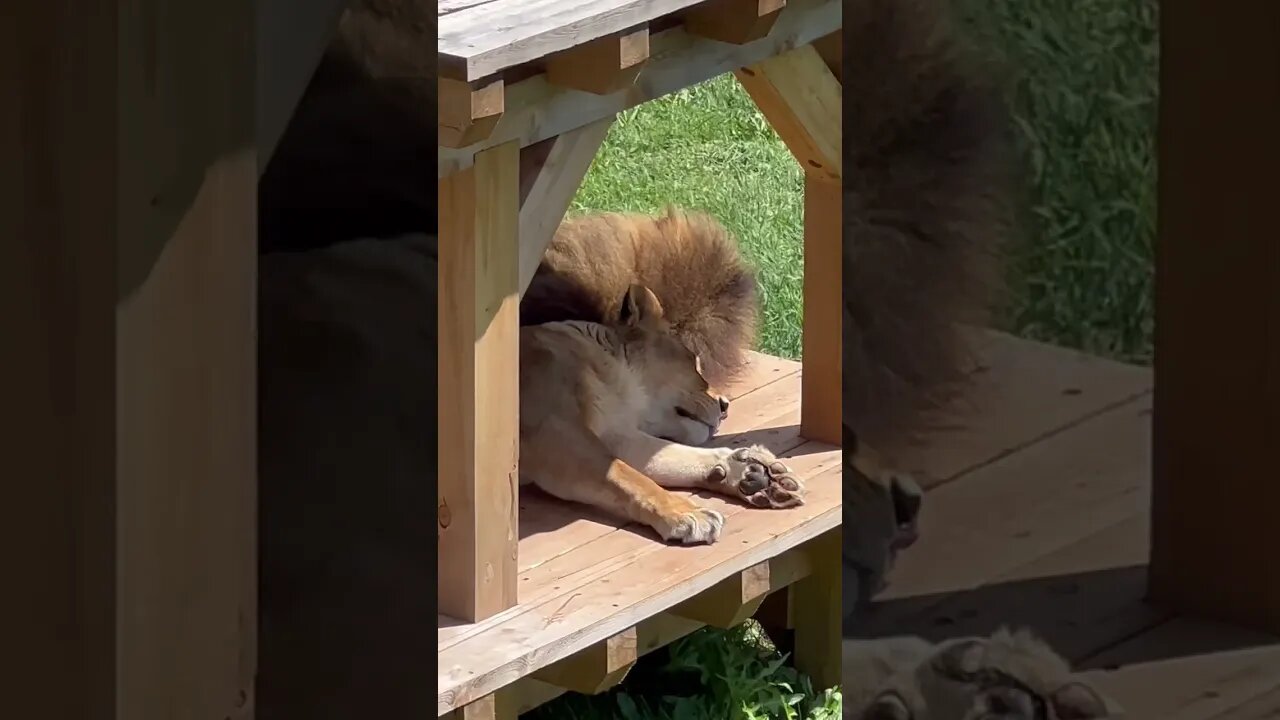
point(611, 414)
point(1007, 676)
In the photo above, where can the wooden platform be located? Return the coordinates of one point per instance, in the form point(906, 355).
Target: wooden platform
point(1038, 515)
point(584, 579)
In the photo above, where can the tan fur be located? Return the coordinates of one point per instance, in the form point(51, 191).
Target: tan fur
point(611, 415)
point(907, 678)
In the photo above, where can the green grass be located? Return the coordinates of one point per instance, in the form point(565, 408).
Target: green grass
point(1083, 87)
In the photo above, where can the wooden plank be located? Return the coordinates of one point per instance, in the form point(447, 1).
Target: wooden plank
point(479, 346)
point(1264, 707)
point(1188, 670)
point(1021, 392)
point(801, 98)
point(1218, 419)
point(602, 66)
point(635, 589)
point(468, 112)
point(595, 669)
point(129, 303)
point(57, 305)
point(537, 110)
point(1085, 480)
point(485, 39)
point(734, 21)
point(736, 598)
point(821, 409)
point(816, 613)
point(552, 190)
point(1081, 599)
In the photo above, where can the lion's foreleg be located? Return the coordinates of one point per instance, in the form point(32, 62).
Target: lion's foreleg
point(752, 473)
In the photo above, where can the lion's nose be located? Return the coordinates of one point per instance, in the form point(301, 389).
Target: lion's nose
point(724, 407)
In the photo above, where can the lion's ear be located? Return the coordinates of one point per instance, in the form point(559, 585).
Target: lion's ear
point(640, 307)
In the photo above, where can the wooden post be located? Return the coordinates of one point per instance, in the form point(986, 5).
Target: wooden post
point(816, 615)
point(801, 98)
point(1217, 363)
point(128, 276)
point(479, 385)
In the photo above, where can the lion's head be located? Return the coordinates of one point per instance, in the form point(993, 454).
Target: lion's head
point(681, 405)
point(1008, 676)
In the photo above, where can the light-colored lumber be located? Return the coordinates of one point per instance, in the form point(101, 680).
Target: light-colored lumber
point(816, 614)
point(479, 377)
point(1217, 353)
point(552, 190)
point(602, 66)
point(801, 99)
point(537, 110)
point(595, 669)
point(734, 21)
point(483, 39)
point(127, 294)
point(485, 708)
point(468, 112)
point(736, 598)
point(820, 406)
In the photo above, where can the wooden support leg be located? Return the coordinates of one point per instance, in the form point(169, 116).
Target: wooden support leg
point(127, 294)
point(801, 98)
point(1217, 360)
point(486, 708)
point(554, 180)
point(479, 386)
point(816, 614)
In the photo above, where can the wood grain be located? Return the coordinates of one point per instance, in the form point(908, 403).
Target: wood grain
point(801, 98)
point(820, 405)
point(1217, 314)
point(129, 300)
point(537, 110)
point(552, 190)
point(485, 39)
point(734, 21)
point(602, 66)
point(478, 377)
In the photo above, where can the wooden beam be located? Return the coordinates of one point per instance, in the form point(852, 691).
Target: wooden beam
point(551, 191)
point(537, 110)
point(602, 66)
point(821, 384)
point(801, 98)
point(731, 601)
point(816, 614)
point(831, 48)
point(595, 669)
point(486, 708)
point(127, 294)
point(468, 112)
point(529, 692)
point(1217, 359)
point(734, 21)
point(478, 374)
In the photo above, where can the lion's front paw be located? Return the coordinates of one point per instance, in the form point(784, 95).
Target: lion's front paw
point(755, 475)
point(700, 525)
